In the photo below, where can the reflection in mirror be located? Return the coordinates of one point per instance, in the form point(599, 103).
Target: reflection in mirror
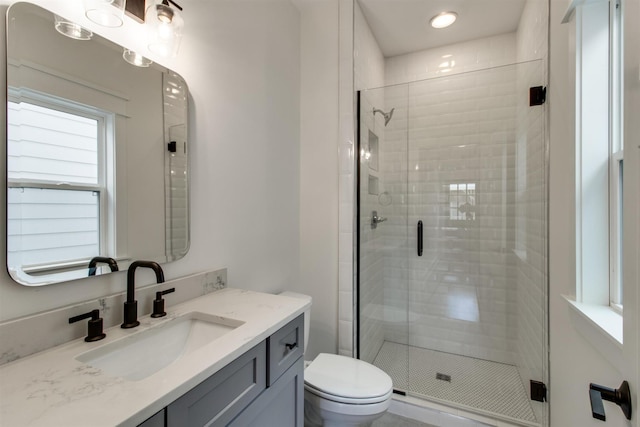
point(97, 163)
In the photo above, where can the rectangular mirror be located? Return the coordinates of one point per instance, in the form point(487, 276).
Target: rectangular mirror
point(97, 165)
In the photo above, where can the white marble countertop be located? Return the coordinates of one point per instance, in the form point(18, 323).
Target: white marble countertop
point(52, 388)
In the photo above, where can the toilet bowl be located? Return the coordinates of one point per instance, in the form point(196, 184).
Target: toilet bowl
point(342, 391)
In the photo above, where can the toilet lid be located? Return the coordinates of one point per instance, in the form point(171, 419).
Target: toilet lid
point(347, 378)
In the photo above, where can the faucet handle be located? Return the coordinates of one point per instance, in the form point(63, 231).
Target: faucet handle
point(94, 326)
point(158, 303)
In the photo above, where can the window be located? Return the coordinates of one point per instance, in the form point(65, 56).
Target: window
point(462, 201)
point(599, 149)
point(57, 191)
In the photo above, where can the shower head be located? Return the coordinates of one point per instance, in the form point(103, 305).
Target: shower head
point(387, 116)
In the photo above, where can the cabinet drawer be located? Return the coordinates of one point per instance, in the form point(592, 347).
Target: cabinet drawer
point(219, 398)
point(285, 347)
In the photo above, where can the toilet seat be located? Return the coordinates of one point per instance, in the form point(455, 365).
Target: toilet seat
point(327, 406)
point(346, 380)
point(346, 400)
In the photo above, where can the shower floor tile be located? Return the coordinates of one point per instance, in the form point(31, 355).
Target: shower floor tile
point(491, 387)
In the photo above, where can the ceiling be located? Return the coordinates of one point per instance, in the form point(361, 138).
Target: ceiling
point(402, 26)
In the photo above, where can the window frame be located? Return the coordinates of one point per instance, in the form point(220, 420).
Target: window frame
point(599, 153)
point(616, 155)
point(469, 194)
point(104, 185)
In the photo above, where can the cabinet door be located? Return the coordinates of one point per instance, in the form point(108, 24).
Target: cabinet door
point(219, 398)
point(281, 405)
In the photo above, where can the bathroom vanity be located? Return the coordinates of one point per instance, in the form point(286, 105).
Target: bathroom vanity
point(263, 387)
point(251, 374)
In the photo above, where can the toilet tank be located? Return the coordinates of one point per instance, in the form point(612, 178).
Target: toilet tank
point(307, 314)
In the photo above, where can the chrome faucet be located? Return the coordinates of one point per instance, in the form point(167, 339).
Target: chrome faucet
point(131, 305)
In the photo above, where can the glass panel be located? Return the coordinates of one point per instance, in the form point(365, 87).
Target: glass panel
point(477, 182)
point(383, 239)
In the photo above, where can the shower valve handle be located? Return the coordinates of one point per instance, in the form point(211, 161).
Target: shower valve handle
point(375, 220)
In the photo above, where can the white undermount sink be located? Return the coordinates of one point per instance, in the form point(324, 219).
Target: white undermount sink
point(140, 355)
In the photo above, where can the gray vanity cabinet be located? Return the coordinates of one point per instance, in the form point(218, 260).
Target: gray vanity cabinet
point(263, 387)
point(283, 405)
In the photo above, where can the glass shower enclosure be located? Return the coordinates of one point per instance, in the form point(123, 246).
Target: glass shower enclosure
point(452, 240)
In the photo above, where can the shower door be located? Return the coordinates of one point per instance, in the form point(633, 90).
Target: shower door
point(462, 253)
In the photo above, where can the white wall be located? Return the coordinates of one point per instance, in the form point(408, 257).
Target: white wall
point(242, 63)
point(319, 117)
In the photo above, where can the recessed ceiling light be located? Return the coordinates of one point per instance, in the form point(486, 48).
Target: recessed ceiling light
point(443, 19)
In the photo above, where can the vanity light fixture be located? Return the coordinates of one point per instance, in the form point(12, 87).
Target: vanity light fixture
point(134, 58)
point(135, 9)
point(108, 13)
point(165, 23)
point(443, 20)
point(71, 29)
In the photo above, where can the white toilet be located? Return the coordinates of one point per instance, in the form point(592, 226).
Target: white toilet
point(340, 391)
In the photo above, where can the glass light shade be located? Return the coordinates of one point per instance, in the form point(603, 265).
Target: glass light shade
point(71, 29)
point(134, 58)
point(443, 19)
point(164, 25)
point(174, 87)
point(108, 13)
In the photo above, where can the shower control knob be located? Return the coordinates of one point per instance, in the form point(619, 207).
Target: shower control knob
point(375, 220)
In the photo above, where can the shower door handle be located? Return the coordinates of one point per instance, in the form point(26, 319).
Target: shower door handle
point(419, 238)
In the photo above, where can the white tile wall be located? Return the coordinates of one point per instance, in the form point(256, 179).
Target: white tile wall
point(472, 55)
point(369, 63)
point(532, 37)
